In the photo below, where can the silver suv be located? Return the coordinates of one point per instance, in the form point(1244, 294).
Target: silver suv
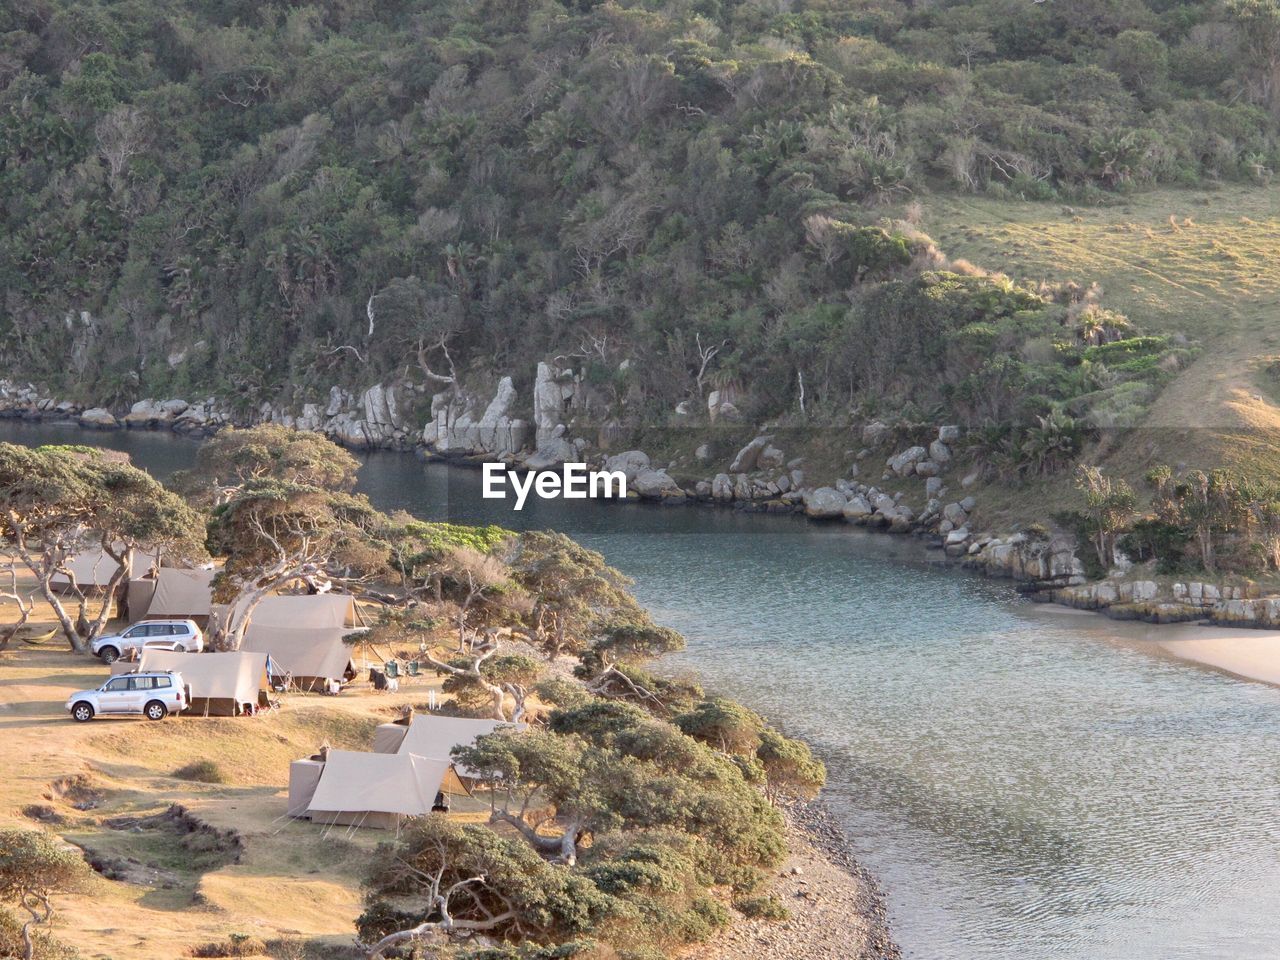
point(180, 636)
point(151, 695)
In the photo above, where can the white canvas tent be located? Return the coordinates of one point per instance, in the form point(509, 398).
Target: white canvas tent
point(372, 789)
point(310, 655)
point(182, 593)
point(434, 736)
point(221, 684)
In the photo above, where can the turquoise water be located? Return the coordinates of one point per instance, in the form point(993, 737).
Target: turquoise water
point(1025, 784)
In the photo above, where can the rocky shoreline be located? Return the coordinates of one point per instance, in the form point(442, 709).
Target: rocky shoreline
point(911, 496)
point(759, 479)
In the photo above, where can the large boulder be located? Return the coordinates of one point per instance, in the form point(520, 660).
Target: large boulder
point(552, 452)
point(722, 487)
point(310, 418)
point(949, 434)
point(554, 393)
point(857, 508)
point(454, 428)
point(98, 418)
point(824, 503)
point(630, 462)
point(904, 462)
point(771, 458)
point(749, 456)
point(939, 452)
point(655, 485)
point(146, 413)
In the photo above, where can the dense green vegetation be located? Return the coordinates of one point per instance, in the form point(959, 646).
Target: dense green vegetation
point(224, 197)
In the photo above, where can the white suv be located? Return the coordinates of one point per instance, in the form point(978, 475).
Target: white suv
point(180, 636)
point(152, 695)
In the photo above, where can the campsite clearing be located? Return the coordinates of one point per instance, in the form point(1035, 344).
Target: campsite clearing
point(236, 865)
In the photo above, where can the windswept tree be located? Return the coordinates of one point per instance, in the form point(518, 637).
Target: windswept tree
point(787, 767)
point(496, 679)
point(276, 534)
point(284, 516)
point(34, 868)
point(234, 457)
point(572, 587)
point(448, 880)
point(605, 766)
point(611, 666)
point(56, 502)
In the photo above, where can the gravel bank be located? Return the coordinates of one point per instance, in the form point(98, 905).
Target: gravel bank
point(837, 910)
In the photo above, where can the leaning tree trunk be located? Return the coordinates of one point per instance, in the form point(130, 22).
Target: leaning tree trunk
point(64, 619)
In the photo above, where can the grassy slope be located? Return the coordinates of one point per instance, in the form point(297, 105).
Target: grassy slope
point(1200, 263)
point(291, 880)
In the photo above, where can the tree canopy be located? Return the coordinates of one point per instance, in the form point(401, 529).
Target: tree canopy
point(56, 502)
point(265, 202)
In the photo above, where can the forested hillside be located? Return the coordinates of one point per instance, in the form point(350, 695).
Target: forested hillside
point(261, 200)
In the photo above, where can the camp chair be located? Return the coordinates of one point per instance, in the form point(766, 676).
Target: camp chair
point(411, 668)
point(393, 668)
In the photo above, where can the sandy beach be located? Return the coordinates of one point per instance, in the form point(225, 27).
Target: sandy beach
point(1244, 653)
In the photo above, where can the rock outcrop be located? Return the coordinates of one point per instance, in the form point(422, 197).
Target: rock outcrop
point(454, 429)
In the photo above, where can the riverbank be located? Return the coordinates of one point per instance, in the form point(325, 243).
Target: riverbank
point(837, 911)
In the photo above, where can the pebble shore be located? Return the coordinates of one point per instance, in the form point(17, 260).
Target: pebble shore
point(837, 909)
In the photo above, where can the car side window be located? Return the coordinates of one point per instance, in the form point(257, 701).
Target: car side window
point(141, 683)
point(163, 682)
point(119, 683)
point(135, 632)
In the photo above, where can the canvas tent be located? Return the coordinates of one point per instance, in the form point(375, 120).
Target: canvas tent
point(182, 593)
point(219, 684)
point(318, 610)
point(367, 789)
point(310, 655)
point(434, 737)
point(94, 568)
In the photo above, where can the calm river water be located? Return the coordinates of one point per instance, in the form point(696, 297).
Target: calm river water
point(1026, 784)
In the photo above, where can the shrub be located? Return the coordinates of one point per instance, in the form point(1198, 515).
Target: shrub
point(201, 771)
point(765, 907)
point(236, 945)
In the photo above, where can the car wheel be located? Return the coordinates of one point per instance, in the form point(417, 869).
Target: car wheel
point(109, 654)
point(155, 710)
point(82, 713)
